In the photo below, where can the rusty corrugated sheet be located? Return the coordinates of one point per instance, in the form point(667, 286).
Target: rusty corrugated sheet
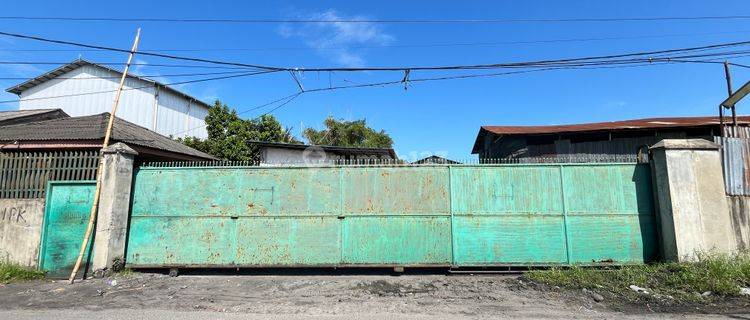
point(648, 123)
point(737, 132)
point(735, 158)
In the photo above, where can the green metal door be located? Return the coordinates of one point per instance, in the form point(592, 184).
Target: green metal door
point(66, 214)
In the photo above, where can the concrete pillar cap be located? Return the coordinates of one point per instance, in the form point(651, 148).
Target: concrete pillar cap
point(686, 144)
point(120, 148)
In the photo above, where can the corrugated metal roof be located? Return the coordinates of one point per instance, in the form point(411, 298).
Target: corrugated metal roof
point(434, 159)
point(635, 124)
point(93, 128)
point(17, 89)
point(15, 114)
point(648, 123)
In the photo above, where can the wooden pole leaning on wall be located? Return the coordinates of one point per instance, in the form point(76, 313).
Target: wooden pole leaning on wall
point(107, 135)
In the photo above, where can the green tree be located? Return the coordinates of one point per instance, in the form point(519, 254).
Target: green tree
point(348, 134)
point(230, 137)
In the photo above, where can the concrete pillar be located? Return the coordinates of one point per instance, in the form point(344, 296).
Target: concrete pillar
point(114, 207)
point(694, 214)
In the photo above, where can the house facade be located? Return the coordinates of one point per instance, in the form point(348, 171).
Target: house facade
point(83, 88)
point(272, 153)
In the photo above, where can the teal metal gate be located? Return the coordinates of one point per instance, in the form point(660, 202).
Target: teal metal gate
point(462, 215)
point(66, 213)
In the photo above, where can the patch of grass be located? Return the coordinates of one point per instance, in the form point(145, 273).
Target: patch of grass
point(13, 273)
point(721, 275)
point(127, 272)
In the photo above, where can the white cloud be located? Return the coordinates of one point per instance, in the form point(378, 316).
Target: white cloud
point(337, 40)
point(140, 68)
point(19, 70)
point(7, 40)
point(616, 104)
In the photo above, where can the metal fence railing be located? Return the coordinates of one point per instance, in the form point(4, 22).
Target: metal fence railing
point(25, 174)
point(559, 159)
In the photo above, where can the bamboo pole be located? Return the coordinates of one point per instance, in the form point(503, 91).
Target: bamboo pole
point(107, 135)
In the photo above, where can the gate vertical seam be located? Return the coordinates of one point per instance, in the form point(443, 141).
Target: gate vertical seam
point(565, 214)
point(450, 210)
point(341, 214)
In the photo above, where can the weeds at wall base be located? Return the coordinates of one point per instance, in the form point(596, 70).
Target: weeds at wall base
point(13, 273)
point(711, 277)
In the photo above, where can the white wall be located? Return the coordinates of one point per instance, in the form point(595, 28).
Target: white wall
point(136, 105)
point(281, 156)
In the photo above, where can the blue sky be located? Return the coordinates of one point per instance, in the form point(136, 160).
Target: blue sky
point(431, 117)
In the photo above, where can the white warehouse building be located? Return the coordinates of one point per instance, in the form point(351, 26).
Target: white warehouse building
point(83, 88)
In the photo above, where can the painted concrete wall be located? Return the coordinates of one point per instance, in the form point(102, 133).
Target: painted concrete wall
point(739, 207)
point(20, 230)
point(114, 207)
point(693, 208)
point(159, 110)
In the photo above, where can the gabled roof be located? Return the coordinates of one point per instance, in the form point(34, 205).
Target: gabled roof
point(335, 149)
point(93, 128)
point(635, 124)
point(25, 116)
point(33, 82)
point(434, 159)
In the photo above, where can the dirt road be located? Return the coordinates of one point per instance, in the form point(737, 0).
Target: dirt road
point(432, 296)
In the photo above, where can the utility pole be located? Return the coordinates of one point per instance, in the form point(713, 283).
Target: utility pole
point(107, 135)
point(728, 76)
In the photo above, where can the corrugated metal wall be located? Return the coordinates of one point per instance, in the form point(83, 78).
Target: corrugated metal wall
point(136, 105)
point(463, 215)
point(735, 158)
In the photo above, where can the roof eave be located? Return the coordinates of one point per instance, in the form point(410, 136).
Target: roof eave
point(477, 148)
point(21, 87)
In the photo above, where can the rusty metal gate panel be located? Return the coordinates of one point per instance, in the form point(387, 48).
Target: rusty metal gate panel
point(610, 214)
point(553, 214)
point(508, 214)
point(395, 215)
point(234, 216)
point(437, 215)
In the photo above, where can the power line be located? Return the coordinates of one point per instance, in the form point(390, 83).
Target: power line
point(384, 21)
point(175, 75)
point(122, 64)
point(136, 88)
point(128, 51)
point(395, 82)
point(289, 98)
point(573, 64)
point(425, 45)
point(400, 68)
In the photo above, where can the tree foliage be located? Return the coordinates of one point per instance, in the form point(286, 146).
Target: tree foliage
point(230, 137)
point(348, 134)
